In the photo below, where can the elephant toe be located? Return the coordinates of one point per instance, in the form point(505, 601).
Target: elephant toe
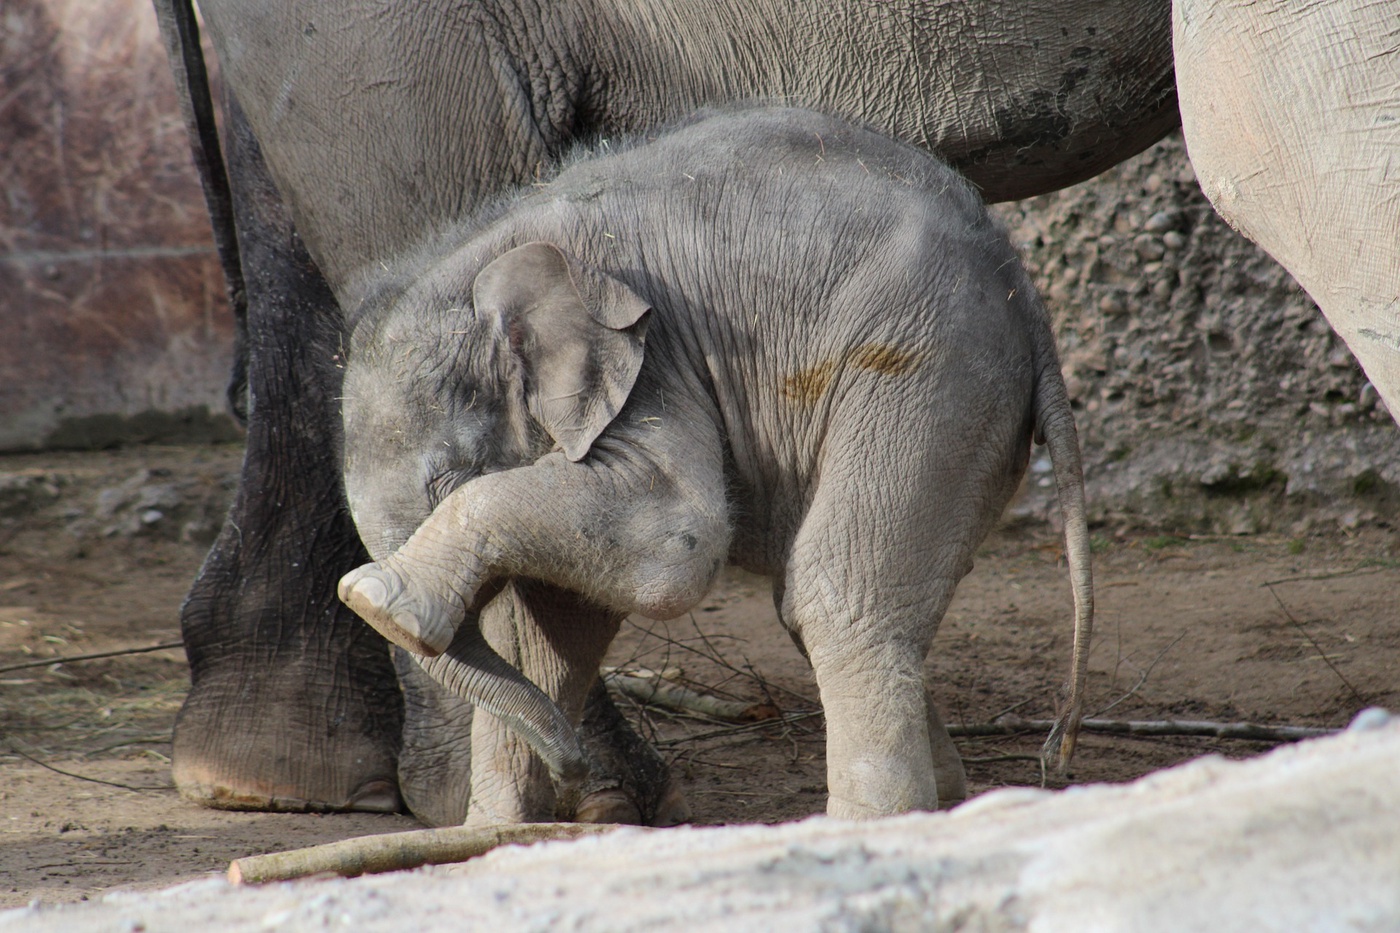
point(608, 806)
point(380, 596)
point(381, 796)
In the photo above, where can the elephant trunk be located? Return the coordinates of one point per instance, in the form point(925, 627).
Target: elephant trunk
point(472, 670)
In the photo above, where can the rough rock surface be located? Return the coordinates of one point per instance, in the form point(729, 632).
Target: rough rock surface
point(1304, 838)
point(1211, 395)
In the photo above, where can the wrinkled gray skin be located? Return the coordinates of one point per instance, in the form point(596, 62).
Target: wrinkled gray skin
point(767, 338)
point(352, 129)
point(1291, 112)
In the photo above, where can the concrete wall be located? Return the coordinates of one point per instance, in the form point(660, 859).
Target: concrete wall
point(113, 322)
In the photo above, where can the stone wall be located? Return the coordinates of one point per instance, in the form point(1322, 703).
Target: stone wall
point(113, 322)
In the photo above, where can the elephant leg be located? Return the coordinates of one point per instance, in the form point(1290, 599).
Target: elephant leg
point(868, 661)
point(628, 780)
point(557, 640)
point(948, 769)
point(870, 574)
point(292, 703)
point(1288, 114)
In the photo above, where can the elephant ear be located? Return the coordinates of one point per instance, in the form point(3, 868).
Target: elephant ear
point(578, 333)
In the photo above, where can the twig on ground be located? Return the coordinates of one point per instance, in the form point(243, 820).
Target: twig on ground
point(127, 743)
point(166, 646)
point(650, 687)
point(993, 759)
point(1012, 708)
point(83, 777)
point(1187, 727)
point(1356, 694)
point(748, 670)
point(736, 730)
point(397, 851)
point(1145, 674)
point(1354, 572)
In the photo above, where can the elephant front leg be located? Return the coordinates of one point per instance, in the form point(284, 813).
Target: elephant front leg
point(292, 702)
point(557, 641)
point(633, 543)
point(578, 527)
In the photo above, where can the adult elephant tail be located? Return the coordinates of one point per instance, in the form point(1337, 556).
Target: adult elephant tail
point(1054, 423)
point(180, 31)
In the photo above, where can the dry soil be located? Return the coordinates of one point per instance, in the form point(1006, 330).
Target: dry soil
point(97, 550)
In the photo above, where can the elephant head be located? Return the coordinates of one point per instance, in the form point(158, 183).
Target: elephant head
point(464, 374)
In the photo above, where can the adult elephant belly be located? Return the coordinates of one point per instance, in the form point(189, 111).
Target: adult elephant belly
point(1292, 118)
point(359, 133)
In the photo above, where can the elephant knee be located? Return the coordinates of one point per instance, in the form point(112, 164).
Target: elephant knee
point(679, 572)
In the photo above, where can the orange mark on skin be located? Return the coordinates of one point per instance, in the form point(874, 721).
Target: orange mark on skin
point(807, 386)
point(887, 361)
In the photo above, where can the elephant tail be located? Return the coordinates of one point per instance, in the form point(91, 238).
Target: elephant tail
point(1054, 423)
point(180, 32)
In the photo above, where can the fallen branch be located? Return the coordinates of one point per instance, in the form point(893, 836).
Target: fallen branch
point(1217, 730)
point(652, 688)
point(365, 855)
point(166, 646)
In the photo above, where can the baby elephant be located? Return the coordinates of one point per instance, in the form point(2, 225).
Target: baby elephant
point(766, 337)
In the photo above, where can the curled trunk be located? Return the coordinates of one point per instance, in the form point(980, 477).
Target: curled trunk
point(472, 670)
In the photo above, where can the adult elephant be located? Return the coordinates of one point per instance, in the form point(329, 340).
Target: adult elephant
point(356, 132)
point(1291, 112)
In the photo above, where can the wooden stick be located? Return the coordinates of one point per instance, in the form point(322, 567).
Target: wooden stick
point(649, 687)
point(1218, 730)
point(397, 851)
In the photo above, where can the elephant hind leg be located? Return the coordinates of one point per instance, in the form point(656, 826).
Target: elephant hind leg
point(949, 775)
point(629, 781)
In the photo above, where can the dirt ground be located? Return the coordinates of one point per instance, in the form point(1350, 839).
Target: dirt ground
point(97, 550)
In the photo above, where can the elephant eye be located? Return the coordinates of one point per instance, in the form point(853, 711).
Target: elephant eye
point(444, 483)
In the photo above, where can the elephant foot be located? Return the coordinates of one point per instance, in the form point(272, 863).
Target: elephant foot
point(238, 748)
point(628, 782)
point(287, 710)
point(615, 805)
point(380, 595)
